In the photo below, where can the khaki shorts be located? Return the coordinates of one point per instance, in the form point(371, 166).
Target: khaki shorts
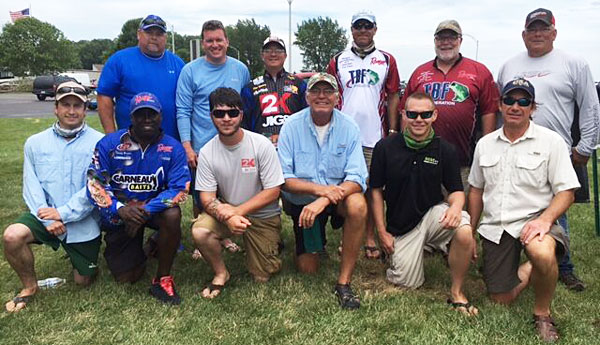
point(406, 264)
point(261, 241)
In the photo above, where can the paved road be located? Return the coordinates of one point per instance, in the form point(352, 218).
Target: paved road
point(21, 105)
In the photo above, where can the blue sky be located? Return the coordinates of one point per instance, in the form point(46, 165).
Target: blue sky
point(405, 28)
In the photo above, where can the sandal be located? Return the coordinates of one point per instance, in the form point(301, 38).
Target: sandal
point(196, 255)
point(231, 246)
point(467, 308)
point(346, 297)
point(546, 328)
point(18, 300)
point(212, 288)
point(372, 252)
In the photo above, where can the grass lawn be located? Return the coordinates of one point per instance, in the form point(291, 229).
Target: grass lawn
point(290, 309)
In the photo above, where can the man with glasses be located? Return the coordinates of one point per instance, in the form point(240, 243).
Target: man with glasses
point(368, 79)
point(148, 67)
point(137, 179)
point(239, 179)
point(325, 176)
point(463, 90)
point(562, 81)
point(412, 167)
point(271, 98)
point(59, 214)
point(521, 182)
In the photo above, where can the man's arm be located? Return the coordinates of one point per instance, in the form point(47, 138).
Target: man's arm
point(77, 208)
point(542, 224)
point(392, 111)
point(475, 206)
point(236, 223)
point(589, 114)
point(377, 209)
point(488, 101)
point(488, 123)
point(185, 106)
point(451, 218)
point(106, 112)
point(33, 193)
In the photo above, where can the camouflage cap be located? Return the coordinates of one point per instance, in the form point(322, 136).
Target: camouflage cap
point(449, 24)
point(322, 77)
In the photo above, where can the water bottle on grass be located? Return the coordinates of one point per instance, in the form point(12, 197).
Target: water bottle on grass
point(51, 283)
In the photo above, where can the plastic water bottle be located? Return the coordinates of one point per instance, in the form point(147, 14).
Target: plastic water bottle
point(51, 283)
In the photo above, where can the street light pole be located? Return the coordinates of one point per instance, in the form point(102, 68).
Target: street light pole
point(290, 37)
point(173, 38)
point(476, 44)
point(237, 50)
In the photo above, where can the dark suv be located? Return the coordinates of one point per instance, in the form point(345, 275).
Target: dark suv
point(44, 86)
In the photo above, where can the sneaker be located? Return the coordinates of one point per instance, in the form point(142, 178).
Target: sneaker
point(164, 290)
point(346, 297)
point(571, 281)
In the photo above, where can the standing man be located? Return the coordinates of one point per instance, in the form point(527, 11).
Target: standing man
point(271, 98)
point(137, 178)
point(462, 90)
point(412, 167)
point(562, 81)
point(54, 170)
point(368, 78)
point(325, 175)
point(521, 182)
point(239, 179)
point(198, 79)
point(147, 67)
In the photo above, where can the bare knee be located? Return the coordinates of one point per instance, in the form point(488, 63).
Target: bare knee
point(504, 298)
point(202, 235)
point(17, 234)
point(170, 219)
point(542, 255)
point(356, 207)
point(83, 281)
point(463, 237)
point(307, 263)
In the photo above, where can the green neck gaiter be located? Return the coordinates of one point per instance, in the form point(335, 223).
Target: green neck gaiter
point(417, 145)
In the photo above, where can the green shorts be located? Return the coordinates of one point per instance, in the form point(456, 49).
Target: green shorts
point(83, 255)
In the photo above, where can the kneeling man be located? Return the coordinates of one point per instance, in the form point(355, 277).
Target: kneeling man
point(521, 181)
point(412, 168)
point(54, 190)
point(325, 175)
point(239, 179)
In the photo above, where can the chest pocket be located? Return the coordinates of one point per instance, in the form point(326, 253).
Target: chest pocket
point(304, 164)
point(337, 163)
point(490, 165)
point(531, 170)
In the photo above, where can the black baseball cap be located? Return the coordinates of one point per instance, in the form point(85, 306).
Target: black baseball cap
point(540, 14)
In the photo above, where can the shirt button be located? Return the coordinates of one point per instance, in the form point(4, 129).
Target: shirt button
point(414, 162)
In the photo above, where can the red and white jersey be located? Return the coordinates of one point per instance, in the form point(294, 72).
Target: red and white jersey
point(364, 85)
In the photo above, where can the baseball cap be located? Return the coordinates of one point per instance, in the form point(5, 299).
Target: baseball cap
point(366, 15)
point(153, 21)
point(540, 14)
point(71, 88)
point(144, 100)
point(274, 39)
point(449, 24)
point(322, 76)
point(520, 84)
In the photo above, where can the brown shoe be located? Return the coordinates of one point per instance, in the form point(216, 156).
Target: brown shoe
point(546, 328)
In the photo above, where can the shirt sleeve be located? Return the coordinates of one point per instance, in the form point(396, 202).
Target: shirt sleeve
point(109, 82)
point(178, 184)
point(589, 109)
point(249, 107)
point(377, 175)
point(205, 177)
point(332, 69)
point(33, 193)
point(392, 82)
point(488, 99)
point(356, 168)
point(476, 174)
point(270, 170)
point(561, 174)
point(285, 151)
point(185, 102)
point(302, 94)
point(411, 87)
point(246, 76)
point(77, 208)
point(99, 191)
point(451, 169)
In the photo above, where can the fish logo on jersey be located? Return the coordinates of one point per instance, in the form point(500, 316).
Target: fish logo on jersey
point(461, 92)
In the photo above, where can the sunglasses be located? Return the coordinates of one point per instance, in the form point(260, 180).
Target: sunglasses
point(424, 114)
point(154, 21)
point(273, 51)
point(316, 91)
point(69, 89)
point(522, 102)
point(361, 25)
point(220, 113)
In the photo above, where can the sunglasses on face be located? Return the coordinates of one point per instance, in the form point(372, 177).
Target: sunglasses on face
point(543, 29)
point(69, 89)
point(220, 113)
point(273, 51)
point(414, 114)
point(446, 38)
point(361, 25)
point(316, 91)
point(522, 102)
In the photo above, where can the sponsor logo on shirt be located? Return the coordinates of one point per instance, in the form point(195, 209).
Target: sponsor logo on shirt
point(362, 77)
point(424, 76)
point(533, 74)
point(430, 160)
point(138, 183)
point(248, 165)
point(375, 61)
point(439, 92)
point(164, 148)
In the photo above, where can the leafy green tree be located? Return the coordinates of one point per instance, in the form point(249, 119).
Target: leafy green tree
point(93, 52)
point(319, 39)
point(127, 37)
point(32, 47)
point(247, 37)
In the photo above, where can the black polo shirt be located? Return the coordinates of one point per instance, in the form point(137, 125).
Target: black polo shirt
point(413, 179)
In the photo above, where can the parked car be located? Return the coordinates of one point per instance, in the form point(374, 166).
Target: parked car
point(45, 85)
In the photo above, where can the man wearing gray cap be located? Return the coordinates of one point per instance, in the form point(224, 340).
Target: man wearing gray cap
point(59, 214)
point(271, 98)
point(367, 78)
point(562, 82)
point(325, 176)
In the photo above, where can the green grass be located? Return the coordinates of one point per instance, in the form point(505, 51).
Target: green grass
point(290, 309)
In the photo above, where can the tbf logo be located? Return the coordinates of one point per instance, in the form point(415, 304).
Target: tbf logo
point(362, 76)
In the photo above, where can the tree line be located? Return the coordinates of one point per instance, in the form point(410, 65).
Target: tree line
point(32, 47)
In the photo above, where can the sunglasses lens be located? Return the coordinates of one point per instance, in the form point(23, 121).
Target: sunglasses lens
point(414, 114)
point(72, 89)
point(524, 102)
point(358, 26)
point(426, 114)
point(219, 113)
point(508, 100)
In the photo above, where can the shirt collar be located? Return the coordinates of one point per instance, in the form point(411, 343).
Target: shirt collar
point(529, 134)
point(460, 57)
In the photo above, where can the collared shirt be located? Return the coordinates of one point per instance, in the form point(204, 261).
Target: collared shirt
point(54, 175)
point(519, 179)
point(339, 158)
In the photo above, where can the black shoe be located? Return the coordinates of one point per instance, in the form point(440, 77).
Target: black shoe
point(571, 281)
point(346, 297)
point(164, 290)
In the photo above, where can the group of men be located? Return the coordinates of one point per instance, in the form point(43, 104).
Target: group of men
point(341, 147)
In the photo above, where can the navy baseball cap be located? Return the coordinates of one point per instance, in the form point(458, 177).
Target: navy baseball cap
point(153, 21)
point(144, 100)
point(519, 84)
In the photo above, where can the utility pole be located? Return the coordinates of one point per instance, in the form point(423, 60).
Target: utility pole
point(290, 38)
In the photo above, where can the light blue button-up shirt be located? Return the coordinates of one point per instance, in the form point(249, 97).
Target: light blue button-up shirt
point(338, 159)
point(54, 175)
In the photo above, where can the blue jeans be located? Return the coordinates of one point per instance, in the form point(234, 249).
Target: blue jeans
point(565, 265)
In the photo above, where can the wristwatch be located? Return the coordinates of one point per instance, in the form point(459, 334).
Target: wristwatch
point(392, 131)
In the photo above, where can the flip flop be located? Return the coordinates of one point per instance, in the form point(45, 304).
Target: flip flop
point(232, 247)
point(469, 309)
point(18, 300)
point(196, 255)
point(211, 288)
point(369, 250)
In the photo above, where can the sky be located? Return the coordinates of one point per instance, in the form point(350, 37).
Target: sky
point(405, 27)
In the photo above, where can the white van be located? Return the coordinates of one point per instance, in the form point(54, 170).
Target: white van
point(82, 78)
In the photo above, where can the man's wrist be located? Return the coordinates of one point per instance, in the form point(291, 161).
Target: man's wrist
point(392, 131)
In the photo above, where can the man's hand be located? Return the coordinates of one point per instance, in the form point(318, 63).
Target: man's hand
point(48, 213)
point(386, 240)
point(311, 211)
point(238, 224)
point(474, 255)
point(451, 218)
point(225, 211)
point(578, 159)
point(56, 228)
point(534, 228)
point(192, 157)
point(334, 193)
point(133, 215)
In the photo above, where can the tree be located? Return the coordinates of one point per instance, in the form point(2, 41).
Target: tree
point(93, 52)
point(319, 39)
point(127, 37)
point(248, 37)
point(33, 47)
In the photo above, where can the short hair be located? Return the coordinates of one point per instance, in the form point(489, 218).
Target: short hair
point(420, 95)
point(225, 96)
point(212, 25)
